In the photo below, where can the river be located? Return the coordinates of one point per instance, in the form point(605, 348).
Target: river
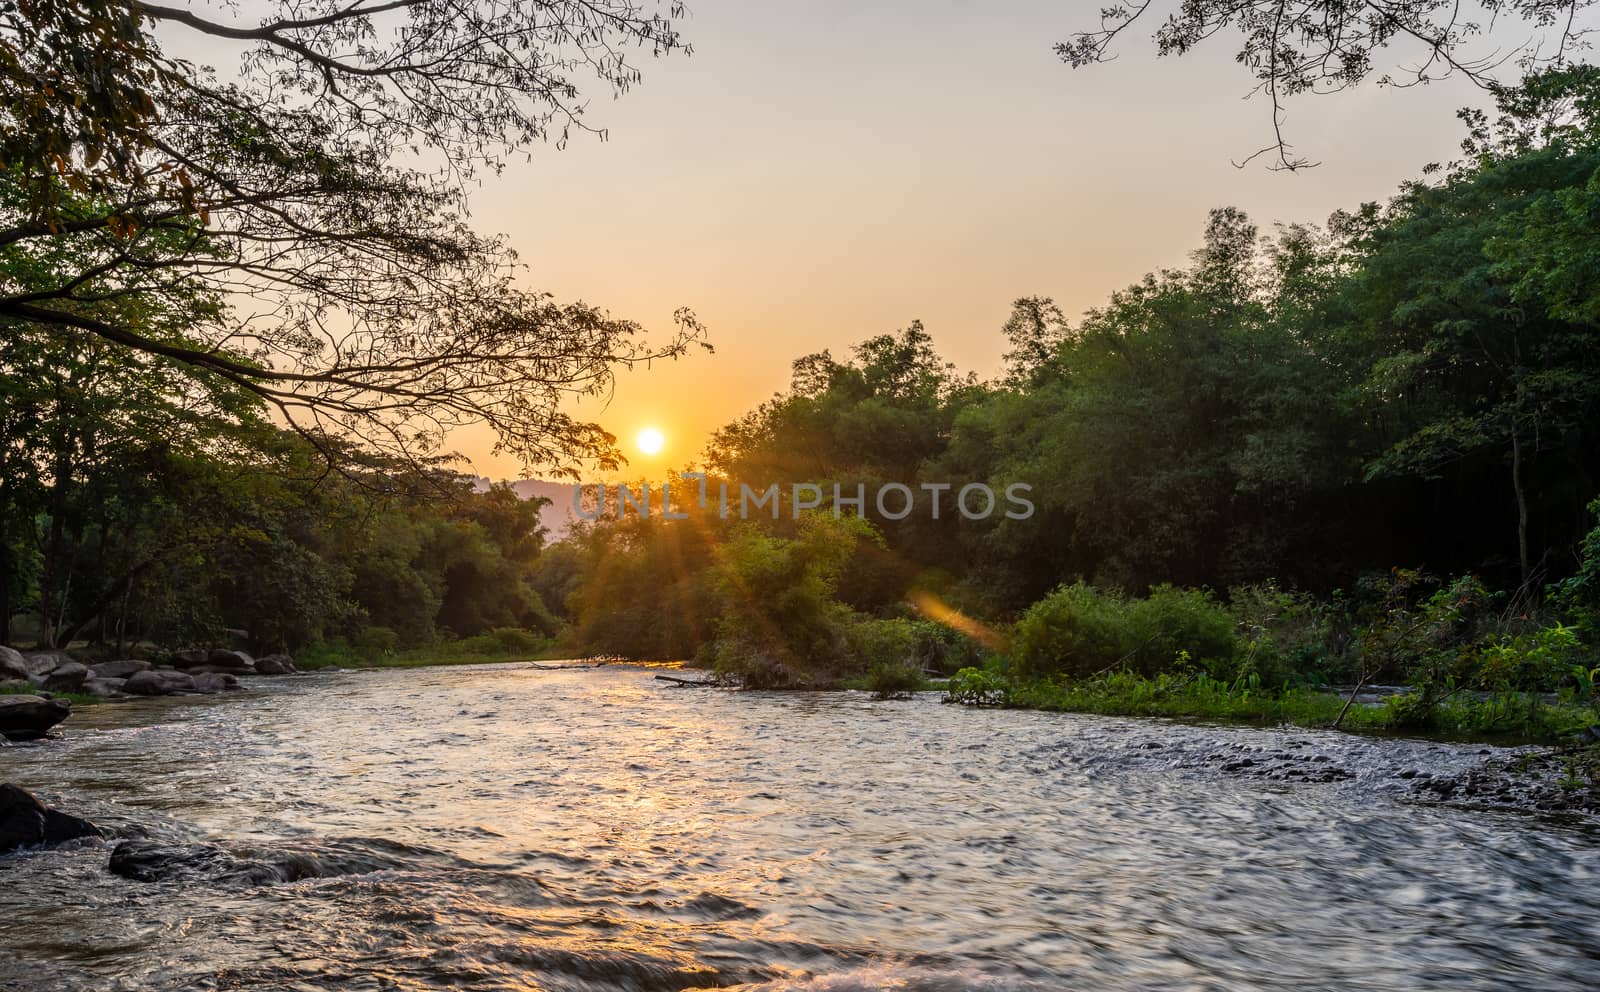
point(511, 828)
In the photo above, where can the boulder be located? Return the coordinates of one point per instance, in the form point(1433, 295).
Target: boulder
point(210, 682)
point(42, 663)
point(276, 664)
point(190, 658)
point(26, 718)
point(223, 660)
point(13, 665)
point(118, 669)
point(26, 822)
point(105, 688)
point(159, 682)
point(66, 677)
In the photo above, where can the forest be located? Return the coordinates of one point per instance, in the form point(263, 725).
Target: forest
point(1355, 451)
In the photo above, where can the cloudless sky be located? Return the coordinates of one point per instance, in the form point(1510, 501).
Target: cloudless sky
point(817, 173)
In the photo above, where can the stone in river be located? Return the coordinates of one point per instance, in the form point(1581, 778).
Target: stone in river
point(159, 682)
point(66, 677)
point(105, 688)
point(118, 669)
point(210, 682)
point(232, 661)
point(26, 822)
point(275, 664)
point(26, 718)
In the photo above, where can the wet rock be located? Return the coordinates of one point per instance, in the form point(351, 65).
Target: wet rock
point(276, 664)
point(105, 688)
point(160, 682)
point(27, 822)
point(67, 677)
point(154, 861)
point(223, 660)
point(12, 665)
point(26, 718)
point(212, 682)
point(118, 669)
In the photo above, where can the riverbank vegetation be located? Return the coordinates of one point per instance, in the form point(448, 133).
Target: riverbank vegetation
point(1357, 453)
point(1346, 454)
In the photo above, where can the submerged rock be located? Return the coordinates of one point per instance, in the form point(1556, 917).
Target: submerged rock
point(160, 682)
point(118, 669)
point(26, 718)
point(154, 861)
point(27, 822)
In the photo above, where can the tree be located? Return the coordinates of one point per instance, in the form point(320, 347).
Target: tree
point(325, 186)
point(1481, 354)
point(1325, 46)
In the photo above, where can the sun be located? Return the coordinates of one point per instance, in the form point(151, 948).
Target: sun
point(650, 441)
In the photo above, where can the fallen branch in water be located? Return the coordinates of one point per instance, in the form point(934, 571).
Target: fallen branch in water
point(699, 683)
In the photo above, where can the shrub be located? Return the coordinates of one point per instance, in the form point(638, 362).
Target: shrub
point(1079, 632)
point(376, 642)
point(1172, 620)
point(1074, 631)
point(887, 680)
point(978, 687)
point(1281, 634)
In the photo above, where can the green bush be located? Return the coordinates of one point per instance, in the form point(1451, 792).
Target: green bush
point(888, 680)
point(1074, 631)
point(1171, 621)
point(376, 642)
point(1079, 632)
point(1282, 636)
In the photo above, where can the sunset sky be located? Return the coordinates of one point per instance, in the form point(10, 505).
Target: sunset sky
point(805, 181)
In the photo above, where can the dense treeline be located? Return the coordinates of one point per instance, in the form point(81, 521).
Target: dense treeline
point(137, 508)
point(1252, 466)
point(1412, 384)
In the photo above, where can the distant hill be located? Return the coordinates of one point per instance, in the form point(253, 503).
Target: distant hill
point(557, 517)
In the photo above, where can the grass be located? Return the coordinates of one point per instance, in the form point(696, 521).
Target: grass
point(75, 698)
point(470, 651)
point(1528, 717)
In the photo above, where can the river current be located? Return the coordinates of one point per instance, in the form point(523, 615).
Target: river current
point(513, 828)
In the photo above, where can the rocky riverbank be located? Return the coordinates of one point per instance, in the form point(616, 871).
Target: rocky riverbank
point(32, 685)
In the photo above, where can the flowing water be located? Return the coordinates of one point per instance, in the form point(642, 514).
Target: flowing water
point(506, 827)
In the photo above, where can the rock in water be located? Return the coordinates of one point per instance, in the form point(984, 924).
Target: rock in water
point(276, 664)
point(159, 682)
point(105, 688)
point(118, 669)
point(209, 682)
point(68, 676)
point(26, 718)
point(26, 822)
point(13, 665)
point(190, 658)
point(220, 660)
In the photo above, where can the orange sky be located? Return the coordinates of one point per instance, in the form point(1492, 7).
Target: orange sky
point(810, 177)
point(803, 182)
